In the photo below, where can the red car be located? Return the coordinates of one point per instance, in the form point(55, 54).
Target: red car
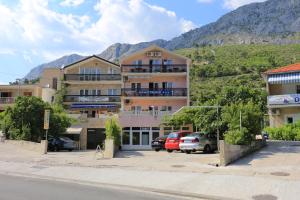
point(173, 140)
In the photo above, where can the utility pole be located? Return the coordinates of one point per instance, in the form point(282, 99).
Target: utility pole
point(18, 81)
point(240, 120)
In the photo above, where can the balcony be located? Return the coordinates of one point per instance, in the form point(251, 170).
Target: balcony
point(178, 68)
point(7, 100)
point(284, 100)
point(146, 92)
point(92, 98)
point(92, 77)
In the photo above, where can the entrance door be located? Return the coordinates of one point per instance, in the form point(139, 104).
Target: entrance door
point(95, 137)
point(145, 138)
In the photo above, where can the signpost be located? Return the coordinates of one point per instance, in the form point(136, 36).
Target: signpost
point(46, 122)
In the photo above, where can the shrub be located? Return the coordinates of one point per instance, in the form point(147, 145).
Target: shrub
point(113, 130)
point(236, 137)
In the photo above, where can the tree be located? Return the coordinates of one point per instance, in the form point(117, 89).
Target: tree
point(25, 120)
point(113, 130)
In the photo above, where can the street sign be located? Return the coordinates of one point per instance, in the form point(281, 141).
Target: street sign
point(46, 119)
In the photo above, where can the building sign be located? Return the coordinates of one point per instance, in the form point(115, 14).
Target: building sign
point(284, 99)
point(153, 54)
point(46, 119)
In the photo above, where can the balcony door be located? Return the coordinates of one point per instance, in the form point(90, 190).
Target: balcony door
point(153, 88)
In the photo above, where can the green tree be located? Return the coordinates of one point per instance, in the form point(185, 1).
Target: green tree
point(25, 119)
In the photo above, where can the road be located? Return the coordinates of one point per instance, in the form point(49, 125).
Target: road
point(23, 188)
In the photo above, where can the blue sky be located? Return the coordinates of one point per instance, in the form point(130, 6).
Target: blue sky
point(38, 31)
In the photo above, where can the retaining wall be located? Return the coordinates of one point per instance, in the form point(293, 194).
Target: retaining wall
point(230, 153)
point(31, 146)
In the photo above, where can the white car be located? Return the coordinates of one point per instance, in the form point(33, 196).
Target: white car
point(198, 142)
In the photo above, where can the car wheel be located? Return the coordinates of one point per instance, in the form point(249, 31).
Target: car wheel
point(169, 150)
point(207, 149)
point(188, 151)
point(157, 149)
point(70, 150)
point(181, 151)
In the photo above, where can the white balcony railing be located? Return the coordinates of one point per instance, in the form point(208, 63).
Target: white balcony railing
point(7, 100)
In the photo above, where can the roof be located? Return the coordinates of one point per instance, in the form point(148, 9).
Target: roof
point(89, 57)
point(286, 69)
point(149, 49)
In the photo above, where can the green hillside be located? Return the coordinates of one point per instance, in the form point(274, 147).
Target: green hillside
point(230, 74)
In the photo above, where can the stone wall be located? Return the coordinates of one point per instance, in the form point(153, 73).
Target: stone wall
point(230, 153)
point(30, 146)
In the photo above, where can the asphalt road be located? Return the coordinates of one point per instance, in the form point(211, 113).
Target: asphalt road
point(22, 188)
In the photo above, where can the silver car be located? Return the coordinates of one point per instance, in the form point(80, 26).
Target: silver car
point(198, 142)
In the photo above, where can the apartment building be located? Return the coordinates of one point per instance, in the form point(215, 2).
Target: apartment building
point(93, 93)
point(155, 83)
point(283, 87)
point(9, 93)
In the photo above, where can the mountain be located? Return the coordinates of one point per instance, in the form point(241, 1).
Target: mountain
point(58, 63)
point(270, 22)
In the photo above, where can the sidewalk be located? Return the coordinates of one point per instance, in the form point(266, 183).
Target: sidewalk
point(234, 182)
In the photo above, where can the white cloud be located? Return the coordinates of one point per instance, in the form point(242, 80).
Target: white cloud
point(205, 1)
point(71, 3)
point(233, 4)
point(32, 27)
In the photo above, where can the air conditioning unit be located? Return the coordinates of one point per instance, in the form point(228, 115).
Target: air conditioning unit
point(275, 111)
point(127, 101)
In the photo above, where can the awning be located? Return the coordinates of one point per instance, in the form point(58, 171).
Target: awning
point(74, 131)
point(93, 106)
point(284, 78)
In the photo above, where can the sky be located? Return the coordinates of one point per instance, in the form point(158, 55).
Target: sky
point(34, 32)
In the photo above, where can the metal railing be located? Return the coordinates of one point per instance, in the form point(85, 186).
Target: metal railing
point(92, 77)
point(176, 68)
point(145, 92)
point(92, 98)
point(7, 100)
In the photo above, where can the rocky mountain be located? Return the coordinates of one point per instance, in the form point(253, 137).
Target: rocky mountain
point(58, 63)
point(273, 21)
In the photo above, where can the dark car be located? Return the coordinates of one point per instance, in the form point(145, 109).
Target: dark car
point(61, 143)
point(159, 143)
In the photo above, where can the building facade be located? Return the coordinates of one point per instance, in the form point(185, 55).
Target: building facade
point(9, 93)
point(155, 83)
point(283, 87)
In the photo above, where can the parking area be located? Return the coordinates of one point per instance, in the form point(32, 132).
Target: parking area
point(144, 160)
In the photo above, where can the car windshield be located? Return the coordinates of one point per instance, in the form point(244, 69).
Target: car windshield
point(173, 135)
point(65, 139)
point(196, 134)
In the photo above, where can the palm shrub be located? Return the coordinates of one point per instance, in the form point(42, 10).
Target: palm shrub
point(113, 130)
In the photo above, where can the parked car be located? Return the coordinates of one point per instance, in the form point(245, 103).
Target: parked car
point(199, 142)
point(172, 142)
point(61, 143)
point(159, 143)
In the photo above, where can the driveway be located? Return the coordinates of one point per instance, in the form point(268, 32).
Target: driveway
point(279, 158)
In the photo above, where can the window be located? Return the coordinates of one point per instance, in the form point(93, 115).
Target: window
point(112, 92)
point(54, 83)
point(290, 120)
point(125, 138)
point(94, 92)
point(27, 94)
point(136, 138)
point(185, 128)
point(86, 92)
point(155, 135)
point(167, 85)
point(298, 89)
point(98, 92)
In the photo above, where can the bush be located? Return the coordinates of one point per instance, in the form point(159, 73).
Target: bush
point(113, 130)
point(236, 137)
point(287, 132)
